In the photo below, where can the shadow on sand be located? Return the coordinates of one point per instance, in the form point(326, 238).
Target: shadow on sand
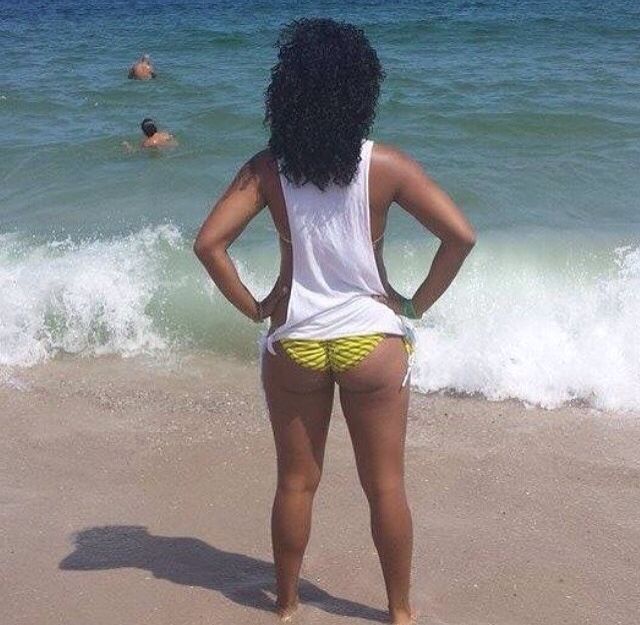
point(192, 562)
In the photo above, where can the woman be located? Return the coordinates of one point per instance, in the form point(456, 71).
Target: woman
point(334, 318)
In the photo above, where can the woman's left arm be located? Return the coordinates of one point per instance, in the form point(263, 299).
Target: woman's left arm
point(239, 204)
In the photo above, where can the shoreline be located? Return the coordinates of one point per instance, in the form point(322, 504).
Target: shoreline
point(134, 492)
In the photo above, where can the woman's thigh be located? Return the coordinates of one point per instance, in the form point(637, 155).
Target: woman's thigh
point(375, 406)
point(300, 401)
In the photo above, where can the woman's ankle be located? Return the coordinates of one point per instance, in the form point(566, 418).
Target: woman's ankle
point(401, 615)
point(286, 609)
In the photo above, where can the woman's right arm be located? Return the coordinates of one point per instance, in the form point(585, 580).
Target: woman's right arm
point(232, 212)
point(421, 197)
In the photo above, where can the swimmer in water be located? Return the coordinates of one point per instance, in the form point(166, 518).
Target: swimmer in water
point(142, 69)
point(154, 138)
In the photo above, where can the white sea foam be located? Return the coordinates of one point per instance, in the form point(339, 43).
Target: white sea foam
point(545, 328)
point(514, 330)
point(89, 298)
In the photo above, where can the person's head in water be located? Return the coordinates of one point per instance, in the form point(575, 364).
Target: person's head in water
point(149, 127)
point(321, 101)
point(142, 69)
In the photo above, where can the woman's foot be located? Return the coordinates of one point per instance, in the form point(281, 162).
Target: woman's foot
point(403, 617)
point(286, 611)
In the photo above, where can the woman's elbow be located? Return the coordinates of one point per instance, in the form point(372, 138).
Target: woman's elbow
point(204, 248)
point(208, 250)
point(463, 239)
point(199, 248)
point(468, 239)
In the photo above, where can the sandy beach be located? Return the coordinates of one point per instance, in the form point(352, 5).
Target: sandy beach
point(134, 492)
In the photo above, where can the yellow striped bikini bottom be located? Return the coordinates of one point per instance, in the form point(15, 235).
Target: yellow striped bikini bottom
point(336, 355)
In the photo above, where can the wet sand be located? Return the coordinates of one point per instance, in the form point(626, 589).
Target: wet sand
point(137, 493)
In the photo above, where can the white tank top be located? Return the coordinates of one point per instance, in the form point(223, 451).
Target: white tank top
point(334, 267)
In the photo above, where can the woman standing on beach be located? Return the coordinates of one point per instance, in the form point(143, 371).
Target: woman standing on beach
point(334, 317)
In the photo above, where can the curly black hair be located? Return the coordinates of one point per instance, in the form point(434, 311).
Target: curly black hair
point(321, 101)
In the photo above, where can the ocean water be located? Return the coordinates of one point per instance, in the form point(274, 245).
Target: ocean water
point(527, 113)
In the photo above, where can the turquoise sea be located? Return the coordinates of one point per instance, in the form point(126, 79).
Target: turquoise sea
point(528, 113)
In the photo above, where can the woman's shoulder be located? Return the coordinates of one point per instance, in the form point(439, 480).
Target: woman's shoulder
point(263, 163)
point(391, 164)
point(262, 167)
point(390, 155)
